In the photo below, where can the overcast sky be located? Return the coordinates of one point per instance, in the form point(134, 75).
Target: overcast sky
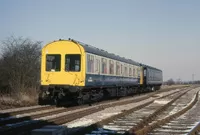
point(164, 34)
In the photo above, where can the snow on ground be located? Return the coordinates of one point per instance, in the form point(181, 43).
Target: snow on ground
point(112, 111)
point(104, 114)
point(162, 101)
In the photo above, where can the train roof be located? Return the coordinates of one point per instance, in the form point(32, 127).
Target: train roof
point(97, 51)
point(150, 67)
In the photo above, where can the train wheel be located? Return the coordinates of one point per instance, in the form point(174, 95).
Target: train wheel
point(55, 101)
point(153, 88)
point(80, 101)
point(43, 99)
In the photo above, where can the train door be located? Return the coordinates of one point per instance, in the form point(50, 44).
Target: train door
point(145, 76)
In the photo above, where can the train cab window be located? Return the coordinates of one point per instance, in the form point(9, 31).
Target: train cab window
point(73, 62)
point(53, 62)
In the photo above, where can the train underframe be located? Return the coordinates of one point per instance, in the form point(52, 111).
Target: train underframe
point(56, 94)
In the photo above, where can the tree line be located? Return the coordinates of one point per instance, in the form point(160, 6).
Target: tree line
point(19, 64)
point(172, 82)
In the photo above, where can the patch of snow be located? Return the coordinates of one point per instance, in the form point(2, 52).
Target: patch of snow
point(81, 123)
point(103, 115)
point(161, 101)
point(116, 127)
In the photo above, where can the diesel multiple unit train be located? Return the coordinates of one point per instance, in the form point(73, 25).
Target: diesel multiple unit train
point(74, 71)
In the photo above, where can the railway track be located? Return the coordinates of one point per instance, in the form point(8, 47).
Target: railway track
point(33, 112)
point(108, 117)
point(27, 120)
point(195, 130)
point(16, 111)
point(24, 114)
point(187, 123)
point(140, 121)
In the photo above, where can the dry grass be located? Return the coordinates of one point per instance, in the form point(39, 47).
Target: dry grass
point(173, 86)
point(19, 99)
point(30, 97)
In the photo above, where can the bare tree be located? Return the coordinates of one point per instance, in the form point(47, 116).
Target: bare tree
point(170, 82)
point(19, 63)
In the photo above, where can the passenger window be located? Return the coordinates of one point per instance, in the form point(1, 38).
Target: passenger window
point(104, 65)
point(117, 68)
point(97, 65)
point(121, 69)
point(90, 63)
point(134, 74)
point(53, 62)
point(126, 71)
point(111, 66)
point(130, 72)
point(73, 62)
